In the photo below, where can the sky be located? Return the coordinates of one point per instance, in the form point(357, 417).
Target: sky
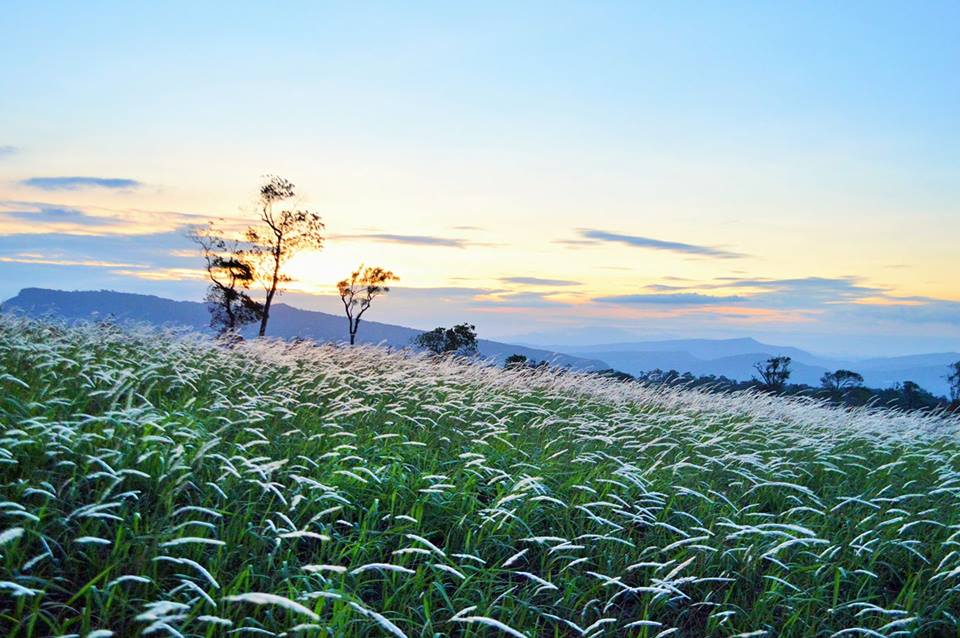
point(551, 172)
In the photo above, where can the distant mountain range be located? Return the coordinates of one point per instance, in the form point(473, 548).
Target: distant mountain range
point(733, 358)
point(286, 321)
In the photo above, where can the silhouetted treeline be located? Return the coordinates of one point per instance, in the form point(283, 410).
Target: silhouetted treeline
point(905, 396)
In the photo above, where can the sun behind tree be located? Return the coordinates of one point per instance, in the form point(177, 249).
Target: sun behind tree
point(279, 236)
point(358, 292)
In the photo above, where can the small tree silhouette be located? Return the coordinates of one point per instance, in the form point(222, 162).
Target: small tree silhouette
point(231, 274)
point(954, 380)
point(459, 340)
point(774, 372)
point(910, 391)
point(841, 380)
point(358, 292)
point(515, 361)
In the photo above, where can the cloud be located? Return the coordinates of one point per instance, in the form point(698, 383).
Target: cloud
point(158, 250)
point(806, 289)
point(44, 214)
point(575, 242)
point(537, 281)
point(915, 311)
point(415, 240)
point(672, 299)
point(33, 218)
point(27, 258)
point(75, 183)
point(8, 150)
point(596, 236)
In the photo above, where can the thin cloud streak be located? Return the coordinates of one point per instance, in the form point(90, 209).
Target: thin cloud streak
point(49, 261)
point(75, 183)
point(596, 236)
point(33, 218)
point(415, 240)
point(675, 299)
point(538, 281)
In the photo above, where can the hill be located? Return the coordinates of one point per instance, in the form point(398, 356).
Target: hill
point(156, 484)
point(286, 322)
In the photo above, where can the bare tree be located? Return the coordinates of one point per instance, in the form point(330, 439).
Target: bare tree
point(774, 372)
point(231, 273)
point(280, 235)
point(359, 291)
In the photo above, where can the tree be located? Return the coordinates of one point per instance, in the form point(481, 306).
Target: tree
point(954, 380)
point(515, 361)
point(459, 340)
point(280, 235)
point(841, 380)
point(910, 392)
point(359, 291)
point(231, 273)
point(774, 372)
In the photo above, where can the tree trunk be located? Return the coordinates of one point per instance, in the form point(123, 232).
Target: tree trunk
point(266, 310)
point(273, 289)
point(353, 331)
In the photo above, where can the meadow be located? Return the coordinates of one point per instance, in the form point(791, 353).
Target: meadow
point(155, 483)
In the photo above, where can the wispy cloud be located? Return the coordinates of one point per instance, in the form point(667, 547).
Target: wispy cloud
point(107, 251)
point(927, 311)
point(673, 299)
point(415, 240)
point(32, 218)
point(6, 149)
point(44, 214)
point(52, 261)
point(822, 289)
point(592, 236)
point(75, 183)
point(538, 281)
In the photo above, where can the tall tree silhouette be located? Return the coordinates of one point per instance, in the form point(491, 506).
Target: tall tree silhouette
point(358, 292)
point(278, 237)
point(230, 273)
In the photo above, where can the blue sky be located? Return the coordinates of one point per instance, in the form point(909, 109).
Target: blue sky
point(698, 169)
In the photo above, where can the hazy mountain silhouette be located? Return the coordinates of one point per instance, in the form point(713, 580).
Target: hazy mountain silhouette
point(734, 358)
point(286, 321)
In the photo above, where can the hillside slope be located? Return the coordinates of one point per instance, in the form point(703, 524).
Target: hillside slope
point(165, 485)
point(286, 321)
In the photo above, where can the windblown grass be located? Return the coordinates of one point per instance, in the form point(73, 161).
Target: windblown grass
point(157, 484)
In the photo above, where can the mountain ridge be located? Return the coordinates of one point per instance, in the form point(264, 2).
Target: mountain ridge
point(286, 322)
point(733, 358)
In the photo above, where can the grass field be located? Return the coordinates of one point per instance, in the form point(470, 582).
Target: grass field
point(157, 484)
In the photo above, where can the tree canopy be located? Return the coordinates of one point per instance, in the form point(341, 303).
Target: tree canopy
point(459, 340)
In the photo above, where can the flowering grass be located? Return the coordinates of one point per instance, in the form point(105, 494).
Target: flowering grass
point(154, 483)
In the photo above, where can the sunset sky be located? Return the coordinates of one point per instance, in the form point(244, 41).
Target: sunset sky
point(552, 172)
